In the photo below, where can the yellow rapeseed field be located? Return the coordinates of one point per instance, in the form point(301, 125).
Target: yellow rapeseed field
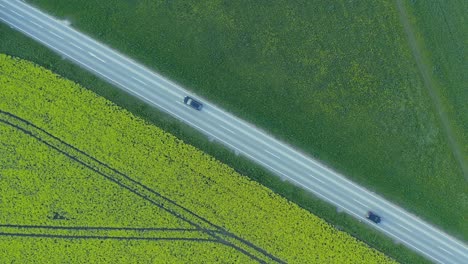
point(84, 181)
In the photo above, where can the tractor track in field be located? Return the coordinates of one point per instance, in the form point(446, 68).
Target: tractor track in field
point(108, 237)
point(99, 232)
point(218, 233)
point(430, 85)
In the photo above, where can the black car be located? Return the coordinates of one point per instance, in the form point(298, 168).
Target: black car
point(193, 103)
point(373, 217)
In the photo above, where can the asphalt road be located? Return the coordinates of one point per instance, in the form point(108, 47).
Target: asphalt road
point(236, 134)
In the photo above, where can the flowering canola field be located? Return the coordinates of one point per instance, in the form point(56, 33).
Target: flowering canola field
point(84, 181)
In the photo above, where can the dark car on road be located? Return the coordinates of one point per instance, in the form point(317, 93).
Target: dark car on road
point(193, 103)
point(373, 217)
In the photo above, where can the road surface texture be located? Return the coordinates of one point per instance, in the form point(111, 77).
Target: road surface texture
point(234, 133)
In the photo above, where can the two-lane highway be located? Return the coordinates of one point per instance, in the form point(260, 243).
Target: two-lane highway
point(236, 134)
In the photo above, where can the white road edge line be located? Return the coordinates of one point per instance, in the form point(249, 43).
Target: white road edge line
point(92, 54)
point(16, 13)
point(445, 250)
point(76, 46)
point(138, 80)
point(272, 154)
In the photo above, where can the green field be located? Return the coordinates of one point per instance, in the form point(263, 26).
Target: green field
point(350, 92)
point(81, 178)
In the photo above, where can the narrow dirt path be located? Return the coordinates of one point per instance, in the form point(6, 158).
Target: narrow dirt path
point(429, 84)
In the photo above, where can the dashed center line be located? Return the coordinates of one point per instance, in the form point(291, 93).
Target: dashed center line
point(272, 154)
point(138, 80)
point(37, 24)
point(227, 129)
point(58, 36)
point(76, 46)
point(92, 54)
point(446, 251)
point(360, 203)
point(317, 179)
point(407, 229)
point(16, 13)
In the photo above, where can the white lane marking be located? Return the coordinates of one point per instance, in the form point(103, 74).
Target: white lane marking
point(37, 24)
point(272, 154)
point(16, 13)
point(92, 54)
point(446, 250)
point(138, 80)
point(317, 179)
point(76, 46)
point(365, 205)
point(58, 36)
point(227, 129)
point(407, 229)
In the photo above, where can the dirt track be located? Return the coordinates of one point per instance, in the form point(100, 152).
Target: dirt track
point(430, 86)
